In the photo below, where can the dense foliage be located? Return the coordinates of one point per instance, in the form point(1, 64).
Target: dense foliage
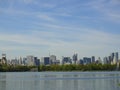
point(71, 67)
point(11, 68)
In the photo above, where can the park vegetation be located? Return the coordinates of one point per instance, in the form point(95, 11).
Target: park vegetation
point(79, 67)
point(12, 68)
point(71, 67)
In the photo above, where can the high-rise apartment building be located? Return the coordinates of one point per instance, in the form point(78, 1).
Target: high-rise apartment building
point(112, 57)
point(36, 61)
point(4, 59)
point(116, 57)
point(86, 60)
point(30, 60)
point(45, 60)
point(93, 59)
point(66, 60)
point(75, 58)
point(53, 59)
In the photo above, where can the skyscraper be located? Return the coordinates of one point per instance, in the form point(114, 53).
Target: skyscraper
point(116, 57)
point(86, 60)
point(24, 61)
point(93, 59)
point(75, 58)
point(52, 59)
point(105, 60)
point(30, 60)
point(112, 56)
point(36, 61)
point(4, 60)
point(45, 60)
point(66, 60)
point(100, 60)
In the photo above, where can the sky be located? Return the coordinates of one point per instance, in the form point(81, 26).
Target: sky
point(59, 27)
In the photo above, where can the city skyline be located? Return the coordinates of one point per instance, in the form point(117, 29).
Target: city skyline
point(40, 27)
point(74, 56)
point(31, 60)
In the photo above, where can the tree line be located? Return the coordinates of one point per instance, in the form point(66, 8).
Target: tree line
point(12, 68)
point(71, 67)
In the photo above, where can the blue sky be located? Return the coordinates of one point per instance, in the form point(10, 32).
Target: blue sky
point(61, 27)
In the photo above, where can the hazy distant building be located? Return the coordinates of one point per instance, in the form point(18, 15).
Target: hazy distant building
point(4, 59)
point(75, 58)
point(15, 61)
point(109, 59)
point(86, 60)
point(66, 60)
point(36, 61)
point(99, 60)
point(57, 62)
point(81, 61)
point(53, 59)
point(45, 60)
point(116, 57)
point(93, 59)
point(112, 57)
point(105, 60)
point(30, 60)
point(20, 60)
point(24, 61)
point(8, 62)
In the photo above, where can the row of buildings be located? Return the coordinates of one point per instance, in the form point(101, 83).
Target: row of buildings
point(112, 59)
point(52, 59)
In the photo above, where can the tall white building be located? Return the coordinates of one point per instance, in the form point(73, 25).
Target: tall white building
point(53, 59)
point(116, 57)
point(3, 60)
point(99, 60)
point(30, 60)
point(20, 61)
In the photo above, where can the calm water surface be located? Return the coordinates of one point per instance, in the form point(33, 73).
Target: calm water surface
point(60, 81)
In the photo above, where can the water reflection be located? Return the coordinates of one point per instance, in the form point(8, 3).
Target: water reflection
point(2, 81)
point(75, 83)
point(59, 81)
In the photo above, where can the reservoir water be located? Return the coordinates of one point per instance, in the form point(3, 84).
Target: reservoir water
point(60, 81)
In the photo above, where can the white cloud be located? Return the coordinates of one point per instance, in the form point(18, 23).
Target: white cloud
point(61, 37)
point(109, 9)
point(46, 17)
point(115, 2)
point(88, 42)
point(47, 5)
point(28, 1)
